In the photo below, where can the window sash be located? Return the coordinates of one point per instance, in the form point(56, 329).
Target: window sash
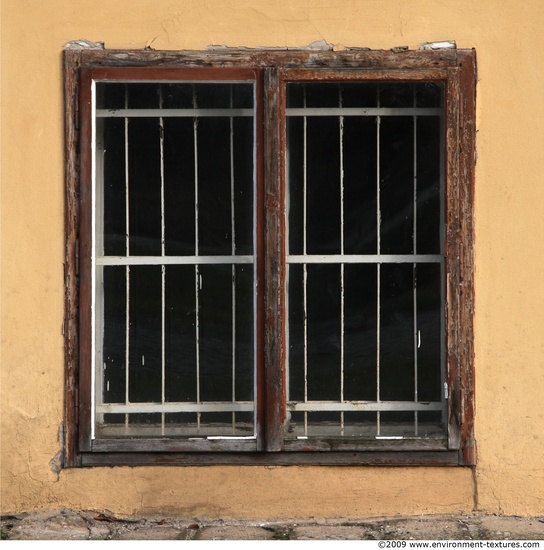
point(201, 408)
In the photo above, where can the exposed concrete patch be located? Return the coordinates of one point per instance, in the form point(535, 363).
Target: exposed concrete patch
point(324, 532)
point(83, 44)
point(510, 528)
point(60, 525)
point(153, 533)
point(319, 45)
point(425, 529)
point(234, 532)
point(443, 45)
point(57, 462)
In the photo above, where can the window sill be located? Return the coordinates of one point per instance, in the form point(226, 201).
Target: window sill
point(311, 458)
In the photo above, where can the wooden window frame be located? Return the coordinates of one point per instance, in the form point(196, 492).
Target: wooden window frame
point(457, 69)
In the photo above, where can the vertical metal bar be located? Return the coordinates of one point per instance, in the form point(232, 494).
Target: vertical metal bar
point(127, 269)
point(341, 139)
point(163, 268)
point(414, 271)
point(378, 267)
point(95, 279)
point(197, 271)
point(233, 252)
point(304, 249)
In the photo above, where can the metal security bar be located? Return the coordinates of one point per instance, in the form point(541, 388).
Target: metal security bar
point(398, 140)
point(135, 388)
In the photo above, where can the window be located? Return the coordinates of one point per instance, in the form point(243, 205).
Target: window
point(269, 254)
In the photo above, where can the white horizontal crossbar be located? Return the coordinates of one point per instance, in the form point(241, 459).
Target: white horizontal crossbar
point(169, 113)
point(173, 260)
point(209, 406)
point(334, 406)
point(364, 259)
point(359, 111)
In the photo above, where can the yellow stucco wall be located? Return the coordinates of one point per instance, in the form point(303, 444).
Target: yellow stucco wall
point(509, 322)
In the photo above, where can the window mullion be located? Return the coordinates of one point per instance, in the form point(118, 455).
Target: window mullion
point(274, 260)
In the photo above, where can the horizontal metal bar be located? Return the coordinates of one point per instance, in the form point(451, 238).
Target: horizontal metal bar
point(173, 113)
point(364, 258)
point(210, 406)
point(173, 260)
point(359, 111)
point(364, 406)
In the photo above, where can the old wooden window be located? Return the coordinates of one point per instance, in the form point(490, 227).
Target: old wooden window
point(269, 254)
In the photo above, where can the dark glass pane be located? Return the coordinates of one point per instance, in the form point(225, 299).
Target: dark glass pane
point(215, 332)
point(177, 96)
point(329, 424)
point(323, 314)
point(242, 96)
point(145, 370)
point(296, 333)
point(144, 186)
point(323, 186)
point(296, 424)
point(150, 420)
point(359, 154)
point(245, 333)
point(428, 185)
point(114, 358)
point(222, 424)
point(429, 94)
point(323, 95)
point(180, 333)
point(110, 95)
point(324, 424)
point(360, 424)
point(430, 423)
point(214, 192)
point(360, 332)
point(114, 186)
point(295, 95)
point(112, 419)
point(429, 324)
point(295, 175)
point(187, 419)
point(243, 184)
point(333, 94)
point(397, 185)
point(397, 332)
point(143, 96)
point(396, 94)
point(179, 187)
point(393, 423)
point(212, 96)
point(359, 95)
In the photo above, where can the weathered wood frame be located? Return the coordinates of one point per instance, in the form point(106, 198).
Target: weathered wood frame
point(454, 67)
